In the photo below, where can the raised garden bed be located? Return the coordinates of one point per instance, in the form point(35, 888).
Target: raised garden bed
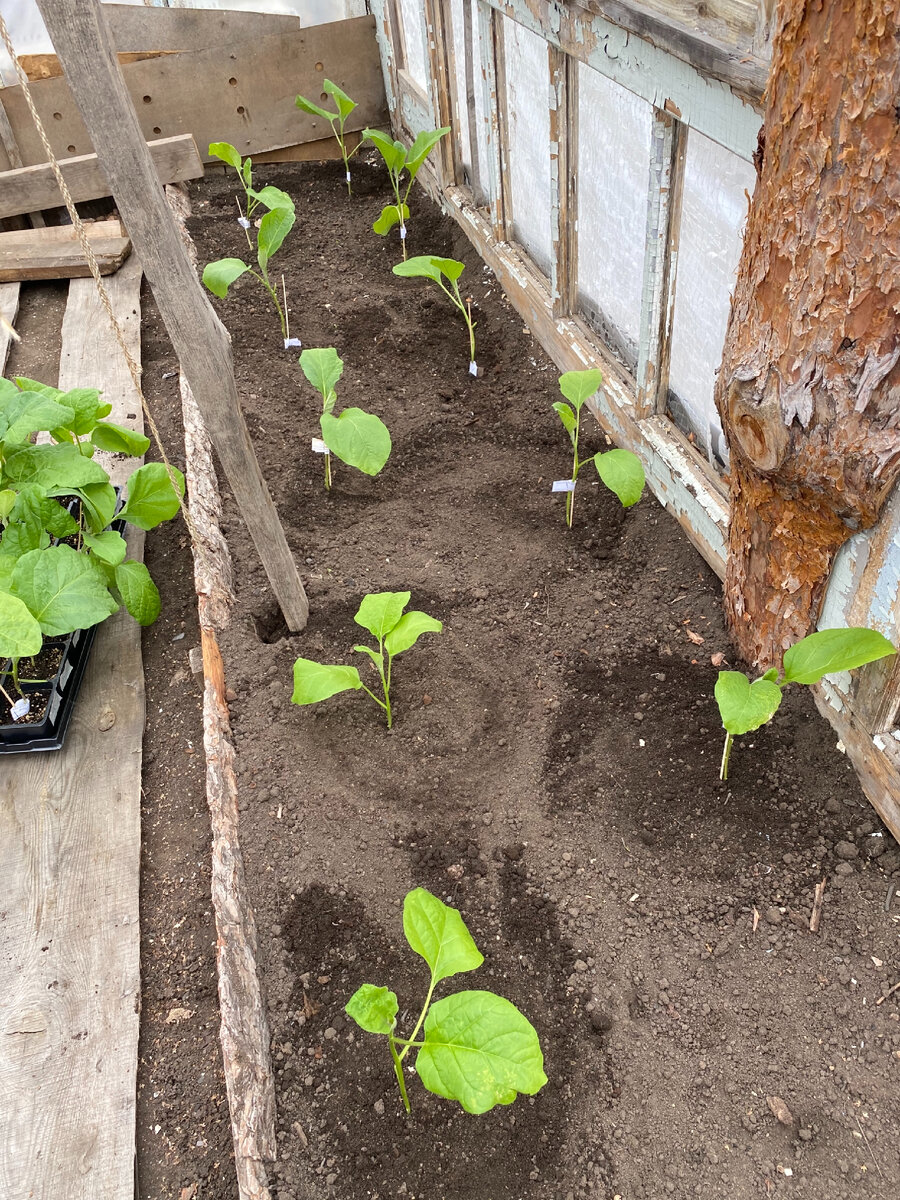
point(552, 771)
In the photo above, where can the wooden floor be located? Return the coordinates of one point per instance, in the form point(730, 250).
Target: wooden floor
point(69, 868)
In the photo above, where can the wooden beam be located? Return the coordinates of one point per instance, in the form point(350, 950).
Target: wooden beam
point(30, 188)
point(439, 69)
point(139, 27)
point(667, 153)
point(203, 347)
point(496, 128)
point(563, 182)
point(56, 253)
point(470, 116)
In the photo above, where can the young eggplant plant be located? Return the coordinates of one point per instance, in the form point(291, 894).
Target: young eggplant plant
point(357, 438)
point(429, 266)
point(345, 107)
point(269, 197)
point(620, 470)
point(273, 229)
point(395, 630)
point(398, 159)
point(745, 706)
point(475, 1047)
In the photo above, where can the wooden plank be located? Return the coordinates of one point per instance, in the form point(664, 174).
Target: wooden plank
point(493, 78)
point(241, 93)
point(323, 150)
point(9, 310)
point(69, 870)
point(138, 27)
point(456, 118)
point(667, 153)
point(30, 188)
point(563, 182)
point(471, 111)
point(46, 66)
point(56, 253)
point(439, 69)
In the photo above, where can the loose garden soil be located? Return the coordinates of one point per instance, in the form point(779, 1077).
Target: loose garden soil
point(552, 772)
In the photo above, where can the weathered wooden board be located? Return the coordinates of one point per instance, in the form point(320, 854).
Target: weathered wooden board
point(9, 308)
point(241, 93)
point(30, 188)
point(69, 867)
point(143, 27)
point(56, 253)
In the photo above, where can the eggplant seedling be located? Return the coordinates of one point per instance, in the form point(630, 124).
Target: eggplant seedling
point(269, 197)
point(429, 266)
point(357, 438)
point(395, 630)
point(620, 470)
point(475, 1047)
point(745, 706)
point(398, 159)
point(345, 107)
point(273, 229)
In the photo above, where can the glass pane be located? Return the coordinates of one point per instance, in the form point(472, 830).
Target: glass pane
point(528, 98)
point(716, 186)
point(614, 131)
point(412, 14)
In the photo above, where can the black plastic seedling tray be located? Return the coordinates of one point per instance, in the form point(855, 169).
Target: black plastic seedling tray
point(23, 737)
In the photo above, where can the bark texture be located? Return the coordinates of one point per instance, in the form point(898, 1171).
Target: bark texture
point(809, 390)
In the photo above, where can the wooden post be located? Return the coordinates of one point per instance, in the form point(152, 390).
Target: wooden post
point(81, 40)
point(563, 176)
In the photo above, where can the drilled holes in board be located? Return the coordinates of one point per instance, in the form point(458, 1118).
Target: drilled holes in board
point(320, 66)
point(156, 129)
point(148, 99)
point(70, 149)
point(233, 81)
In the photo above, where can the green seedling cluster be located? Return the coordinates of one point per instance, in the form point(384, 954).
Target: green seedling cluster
point(381, 613)
point(620, 470)
point(745, 706)
point(398, 159)
point(268, 197)
point(357, 438)
point(344, 107)
point(430, 266)
point(474, 1046)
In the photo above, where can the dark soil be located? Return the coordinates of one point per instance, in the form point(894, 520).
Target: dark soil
point(552, 772)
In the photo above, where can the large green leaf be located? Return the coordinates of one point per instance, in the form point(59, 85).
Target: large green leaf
point(151, 497)
point(22, 536)
point(98, 501)
point(273, 229)
point(480, 1050)
point(24, 413)
point(227, 153)
point(373, 1008)
point(623, 473)
point(273, 197)
point(408, 630)
point(119, 440)
point(832, 650)
point(138, 591)
point(341, 99)
point(20, 633)
point(55, 468)
point(317, 681)
point(744, 706)
point(578, 386)
point(358, 438)
point(379, 612)
point(109, 546)
point(323, 368)
point(429, 266)
point(390, 216)
point(567, 417)
point(422, 147)
point(62, 589)
point(87, 407)
point(314, 110)
point(221, 274)
point(393, 153)
point(439, 934)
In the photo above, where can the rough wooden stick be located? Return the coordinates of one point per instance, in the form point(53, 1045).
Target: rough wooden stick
point(816, 915)
point(889, 992)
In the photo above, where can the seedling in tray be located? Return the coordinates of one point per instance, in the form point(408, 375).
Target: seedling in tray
point(398, 159)
point(429, 266)
point(269, 197)
point(745, 706)
point(395, 630)
point(357, 438)
point(345, 107)
point(475, 1047)
point(620, 470)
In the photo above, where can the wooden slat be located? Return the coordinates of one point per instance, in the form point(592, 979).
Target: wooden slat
point(30, 188)
point(192, 92)
point(139, 27)
point(439, 68)
point(493, 78)
point(55, 252)
point(69, 869)
point(563, 182)
point(9, 310)
point(470, 116)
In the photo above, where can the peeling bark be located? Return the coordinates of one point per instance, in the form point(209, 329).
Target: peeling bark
point(809, 390)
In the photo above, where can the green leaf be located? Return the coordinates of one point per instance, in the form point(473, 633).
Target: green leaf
point(273, 197)
point(273, 229)
point(7, 499)
point(314, 110)
point(744, 706)
point(22, 536)
point(422, 147)
point(119, 440)
point(151, 497)
point(408, 630)
point(56, 468)
point(24, 413)
point(20, 633)
point(87, 407)
point(623, 473)
point(357, 438)
point(341, 99)
point(109, 547)
point(438, 933)
point(393, 153)
point(227, 153)
point(98, 501)
point(138, 591)
point(373, 1008)
point(429, 266)
point(379, 612)
point(323, 368)
point(567, 417)
point(578, 386)
point(390, 216)
point(247, 172)
point(480, 1050)
point(221, 274)
point(373, 654)
point(833, 650)
point(62, 589)
point(317, 681)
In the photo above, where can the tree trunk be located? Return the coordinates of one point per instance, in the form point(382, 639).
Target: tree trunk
point(810, 383)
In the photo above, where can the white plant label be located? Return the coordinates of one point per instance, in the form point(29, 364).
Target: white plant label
point(473, 367)
point(20, 709)
point(402, 232)
point(289, 342)
point(563, 485)
point(348, 176)
point(318, 446)
point(243, 222)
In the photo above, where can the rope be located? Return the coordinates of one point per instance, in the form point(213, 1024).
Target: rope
point(133, 369)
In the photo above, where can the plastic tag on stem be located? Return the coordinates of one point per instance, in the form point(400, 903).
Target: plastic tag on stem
point(402, 233)
point(20, 709)
point(243, 222)
point(318, 446)
point(563, 485)
point(291, 341)
point(473, 367)
point(348, 176)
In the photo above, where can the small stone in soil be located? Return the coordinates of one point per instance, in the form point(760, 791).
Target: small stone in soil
point(845, 850)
